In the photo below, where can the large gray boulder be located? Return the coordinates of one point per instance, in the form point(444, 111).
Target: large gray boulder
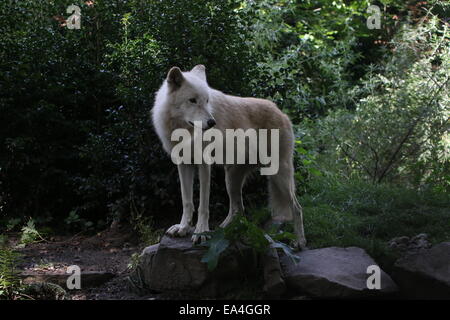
point(425, 274)
point(334, 273)
point(174, 265)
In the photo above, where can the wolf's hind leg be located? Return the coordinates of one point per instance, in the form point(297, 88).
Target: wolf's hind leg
point(285, 206)
point(234, 180)
point(186, 174)
point(204, 173)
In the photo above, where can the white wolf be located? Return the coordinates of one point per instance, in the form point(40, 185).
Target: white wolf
point(185, 99)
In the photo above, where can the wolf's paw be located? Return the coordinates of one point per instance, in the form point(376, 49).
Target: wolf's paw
point(178, 230)
point(227, 221)
point(301, 244)
point(197, 237)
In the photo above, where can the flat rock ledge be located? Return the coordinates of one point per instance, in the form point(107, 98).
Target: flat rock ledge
point(337, 273)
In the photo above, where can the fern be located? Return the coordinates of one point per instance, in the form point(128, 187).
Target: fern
point(10, 282)
point(30, 234)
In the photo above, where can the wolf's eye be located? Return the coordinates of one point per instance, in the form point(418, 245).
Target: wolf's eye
point(193, 100)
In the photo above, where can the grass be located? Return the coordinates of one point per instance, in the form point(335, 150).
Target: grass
point(359, 213)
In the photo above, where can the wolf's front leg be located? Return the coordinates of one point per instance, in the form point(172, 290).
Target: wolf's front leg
point(203, 209)
point(186, 174)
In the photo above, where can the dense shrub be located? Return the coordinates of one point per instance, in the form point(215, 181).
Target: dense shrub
point(53, 92)
point(399, 129)
point(304, 58)
point(75, 128)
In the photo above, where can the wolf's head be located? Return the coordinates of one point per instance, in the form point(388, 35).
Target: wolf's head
point(189, 97)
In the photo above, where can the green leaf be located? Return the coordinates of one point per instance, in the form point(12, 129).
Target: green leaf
point(315, 172)
point(216, 245)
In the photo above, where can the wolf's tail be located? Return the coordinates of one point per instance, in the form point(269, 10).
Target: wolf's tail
point(297, 213)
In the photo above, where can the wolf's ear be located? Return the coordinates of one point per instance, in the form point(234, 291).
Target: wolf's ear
point(200, 71)
point(175, 78)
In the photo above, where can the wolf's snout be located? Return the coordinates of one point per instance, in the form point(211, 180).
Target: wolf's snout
point(211, 123)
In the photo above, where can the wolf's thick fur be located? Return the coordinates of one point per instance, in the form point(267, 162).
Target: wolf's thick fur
point(185, 98)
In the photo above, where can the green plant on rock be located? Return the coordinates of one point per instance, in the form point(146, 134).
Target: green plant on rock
point(245, 232)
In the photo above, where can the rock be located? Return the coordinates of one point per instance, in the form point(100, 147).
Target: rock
point(406, 245)
point(274, 285)
point(419, 242)
point(45, 291)
point(334, 273)
point(137, 280)
point(300, 298)
point(425, 274)
point(395, 242)
point(175, 266)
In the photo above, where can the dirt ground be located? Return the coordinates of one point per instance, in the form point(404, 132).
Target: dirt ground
point(107, 254)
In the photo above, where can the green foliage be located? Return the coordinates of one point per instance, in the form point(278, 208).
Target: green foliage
point(30, 234)
point(52, 92)
point(12, 224)
point(216, 245)
point(398, 131)
point(306, 164)
point(241, 231)
point(75, 131)
point(10, 283)
point(144, 225)
point(304, 60)
point(75, 222)
point(355, 212)
point(134, 261)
